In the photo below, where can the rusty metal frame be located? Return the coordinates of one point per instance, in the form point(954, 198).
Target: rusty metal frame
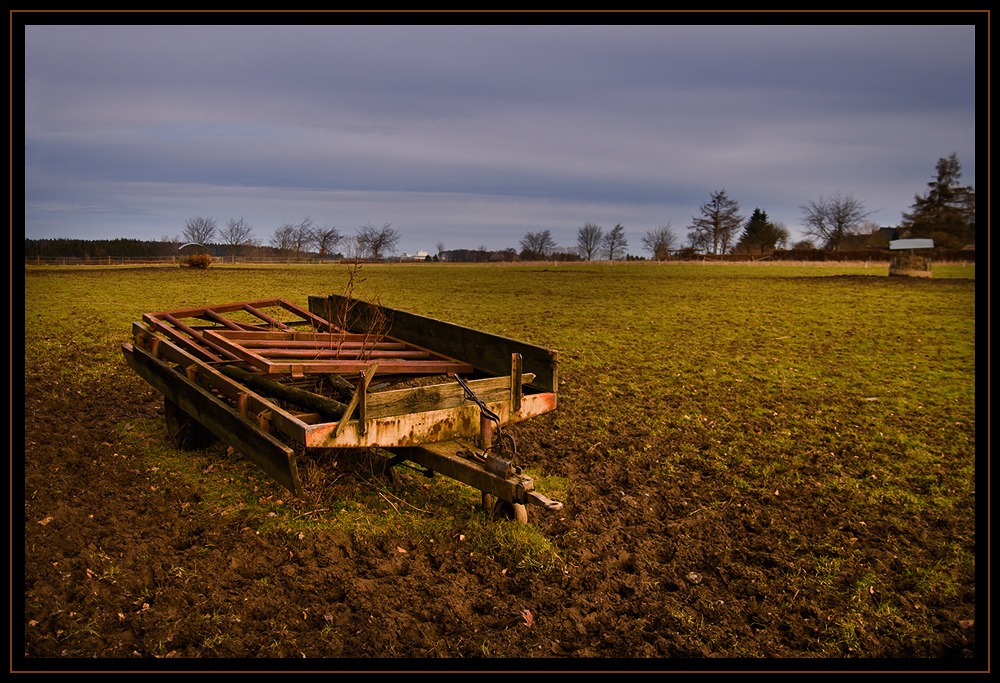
point(300, 353)
point(306, 344)
point(190, 335)
point(185, 354)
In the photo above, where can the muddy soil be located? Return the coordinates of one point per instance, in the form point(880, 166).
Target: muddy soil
point(127, 567)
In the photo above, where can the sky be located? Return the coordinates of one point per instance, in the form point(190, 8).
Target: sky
point(472, 136)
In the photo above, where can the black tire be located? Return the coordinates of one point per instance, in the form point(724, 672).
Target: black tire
point(185, 432)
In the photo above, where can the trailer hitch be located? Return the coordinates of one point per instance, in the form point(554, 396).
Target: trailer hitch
point(499, 449)
point(493, 464)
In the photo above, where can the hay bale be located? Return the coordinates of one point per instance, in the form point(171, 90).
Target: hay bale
point(910, 265)
point(199, 261)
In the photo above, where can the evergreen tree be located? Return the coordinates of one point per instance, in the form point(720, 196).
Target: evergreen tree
point(947, 213)
point(760, 235)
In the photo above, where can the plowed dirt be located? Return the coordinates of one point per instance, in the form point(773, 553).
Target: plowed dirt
point(119, 564)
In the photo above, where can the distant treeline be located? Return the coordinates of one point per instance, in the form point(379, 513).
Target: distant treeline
point(127, 248)
point(71, 248)
point(123, 248)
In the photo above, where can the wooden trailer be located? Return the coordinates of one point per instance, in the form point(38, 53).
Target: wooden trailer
point(275, 381)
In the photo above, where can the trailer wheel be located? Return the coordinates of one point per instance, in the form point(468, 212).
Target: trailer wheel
point(504, 510)
point(185, 432)
point(520, 512)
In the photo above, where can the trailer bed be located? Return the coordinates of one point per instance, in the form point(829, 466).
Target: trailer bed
point(275, 381)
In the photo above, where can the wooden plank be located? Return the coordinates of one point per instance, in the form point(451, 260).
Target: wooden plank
point(516, 381)
point(437, 396)
point(443, 457)
point(406, 429)
point(488, 352)
point(273, 457)
point(419, 428)
point(328, 408)
point(358, 398)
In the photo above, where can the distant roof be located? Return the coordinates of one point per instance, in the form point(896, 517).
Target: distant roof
point(911, 244)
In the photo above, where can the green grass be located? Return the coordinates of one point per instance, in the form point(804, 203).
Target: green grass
point(834, 379)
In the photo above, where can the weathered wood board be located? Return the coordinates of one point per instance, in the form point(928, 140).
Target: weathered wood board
point(487, 352)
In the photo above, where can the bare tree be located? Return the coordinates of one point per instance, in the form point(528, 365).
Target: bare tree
point(173, 244)
point(536, 245)
point(830, 219)
point(326, 239)
point(254, 247)
point(588, 240)
point(615, 242)
point(303, 236)
point(699, 242)
point(719, 222)
point(660, 242)
point(351, 248)
point(783, 236)
point(199, 230)
point(283, 238)
point(377, 243)
point(236, 234)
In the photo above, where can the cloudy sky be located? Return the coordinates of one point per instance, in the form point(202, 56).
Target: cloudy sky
point(471, 136)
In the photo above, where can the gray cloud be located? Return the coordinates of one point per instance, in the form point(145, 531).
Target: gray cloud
point(472, 135)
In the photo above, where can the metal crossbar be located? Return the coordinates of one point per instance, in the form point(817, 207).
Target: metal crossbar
point(300, 344)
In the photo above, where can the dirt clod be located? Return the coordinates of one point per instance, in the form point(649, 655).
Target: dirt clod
point(122, 562)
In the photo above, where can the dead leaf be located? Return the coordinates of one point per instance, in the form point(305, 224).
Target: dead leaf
point(529, 620)
point(400, 550)
point(45, 521)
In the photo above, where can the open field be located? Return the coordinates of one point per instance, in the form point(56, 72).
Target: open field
point(756, 462)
